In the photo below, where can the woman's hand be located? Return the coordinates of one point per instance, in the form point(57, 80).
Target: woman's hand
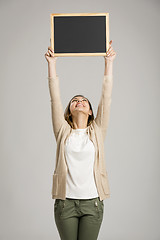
point(50, 56)
point(111, 54)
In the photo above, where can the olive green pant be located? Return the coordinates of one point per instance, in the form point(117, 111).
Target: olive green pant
point(78, 219)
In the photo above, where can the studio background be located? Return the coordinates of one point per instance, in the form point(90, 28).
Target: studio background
point(28, 146)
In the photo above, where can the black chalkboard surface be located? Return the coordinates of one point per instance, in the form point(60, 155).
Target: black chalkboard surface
point(80, 34)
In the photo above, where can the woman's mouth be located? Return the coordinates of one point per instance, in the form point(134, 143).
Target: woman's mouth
point(79, 105)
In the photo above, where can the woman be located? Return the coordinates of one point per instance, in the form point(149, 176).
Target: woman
point(80, 180)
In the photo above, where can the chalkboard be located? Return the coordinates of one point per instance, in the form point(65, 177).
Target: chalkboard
point(80, 34)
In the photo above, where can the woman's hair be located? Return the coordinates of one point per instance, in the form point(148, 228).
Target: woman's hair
point(67, 113)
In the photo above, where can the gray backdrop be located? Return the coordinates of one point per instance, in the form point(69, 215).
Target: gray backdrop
point(27, 142)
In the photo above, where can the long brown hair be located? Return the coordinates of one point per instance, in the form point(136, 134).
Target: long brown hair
point(68, 116)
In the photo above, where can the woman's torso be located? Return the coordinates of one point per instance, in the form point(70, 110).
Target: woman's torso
point(80, 156)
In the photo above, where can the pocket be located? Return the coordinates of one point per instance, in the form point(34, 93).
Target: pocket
point(96, 207)
point(56, 203)
point(62, 207)
point(104, 182)
point(59, 207)
point(99, 208)
point(101, 205)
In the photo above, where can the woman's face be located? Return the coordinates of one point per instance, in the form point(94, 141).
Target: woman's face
point(80, 104)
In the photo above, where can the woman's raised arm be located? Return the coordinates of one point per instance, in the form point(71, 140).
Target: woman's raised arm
point(54, 89)
point(103, 112)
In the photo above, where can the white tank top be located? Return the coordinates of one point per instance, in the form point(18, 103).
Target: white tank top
point(80, 156)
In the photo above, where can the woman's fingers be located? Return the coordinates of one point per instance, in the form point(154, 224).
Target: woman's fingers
point(110, 45)
point(110, 52)
point(49, 48)
point(51, 53)
point(110, 49)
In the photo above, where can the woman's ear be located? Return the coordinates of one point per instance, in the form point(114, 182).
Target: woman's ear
point(90, 112)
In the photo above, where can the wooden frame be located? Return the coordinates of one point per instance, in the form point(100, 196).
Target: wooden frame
point(79, 14)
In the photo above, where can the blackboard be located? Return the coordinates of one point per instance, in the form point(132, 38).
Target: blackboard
point(80, 34)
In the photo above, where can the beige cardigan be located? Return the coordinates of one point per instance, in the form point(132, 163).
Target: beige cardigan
point(97, 132)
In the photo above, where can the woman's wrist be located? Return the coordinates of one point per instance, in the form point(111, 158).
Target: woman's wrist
point(52, 63)
point(107, 61)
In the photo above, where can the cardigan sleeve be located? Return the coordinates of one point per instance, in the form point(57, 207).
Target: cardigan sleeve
point(56, 104)
point(103, 112)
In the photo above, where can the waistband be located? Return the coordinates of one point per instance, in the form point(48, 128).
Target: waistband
point(85, 199)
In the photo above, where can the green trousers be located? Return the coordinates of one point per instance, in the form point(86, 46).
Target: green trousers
point(78, 219)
